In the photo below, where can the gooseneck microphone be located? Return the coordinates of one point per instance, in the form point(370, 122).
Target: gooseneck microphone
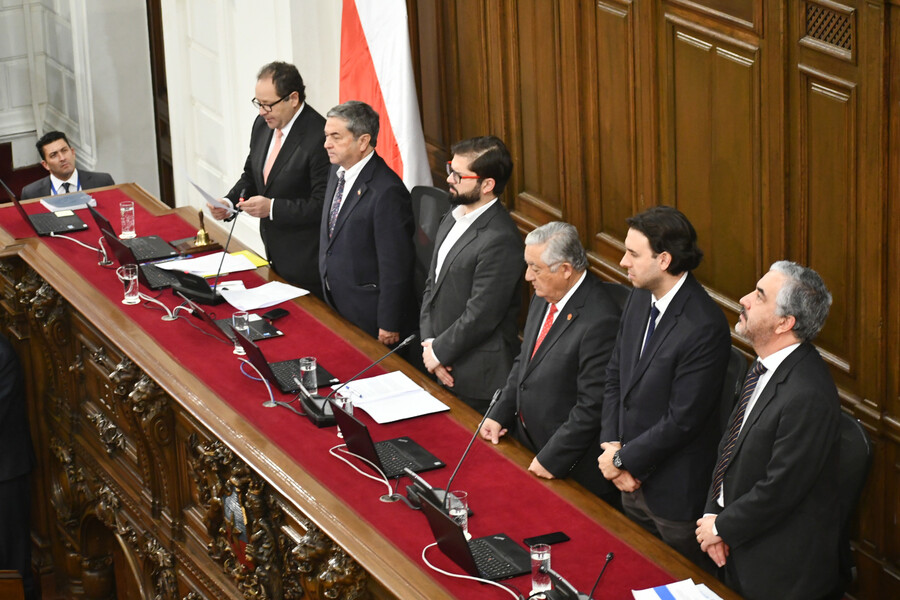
point(402, 344)
point(609, 558)
point(472, 441)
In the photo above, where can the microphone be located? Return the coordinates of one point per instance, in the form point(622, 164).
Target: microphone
point(402, 344)
point(228, 241)
point(421, 489)
point(609, 558)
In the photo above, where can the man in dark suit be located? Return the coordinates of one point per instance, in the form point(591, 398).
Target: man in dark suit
point(58, 157)
point(471, 299)
point(16, 462)
point(664, 382)
point(772, 516)
point(553, 397)
point(283, 183)
point(365, 246)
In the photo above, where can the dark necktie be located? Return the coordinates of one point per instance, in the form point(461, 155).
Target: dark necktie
point(654, 313)
point(548, 323)
point(746, 393)
point(66, 187)
point(336, 205)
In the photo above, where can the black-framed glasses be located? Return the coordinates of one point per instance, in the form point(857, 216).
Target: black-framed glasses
point(458, 177)
point(267, 108)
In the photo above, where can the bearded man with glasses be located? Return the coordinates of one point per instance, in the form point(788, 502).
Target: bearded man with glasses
point(471, 299)
point(284, 178)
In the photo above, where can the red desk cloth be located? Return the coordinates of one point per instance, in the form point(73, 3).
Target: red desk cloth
point(503, 497)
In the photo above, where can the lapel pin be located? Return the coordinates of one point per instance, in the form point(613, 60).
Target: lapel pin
point(569, 317)
point(359, 192)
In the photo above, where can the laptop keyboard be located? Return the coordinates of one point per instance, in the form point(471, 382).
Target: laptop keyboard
point(157, 278)
point(285, 372)
point(489, 563)
point(393, 459)
point(147, 248)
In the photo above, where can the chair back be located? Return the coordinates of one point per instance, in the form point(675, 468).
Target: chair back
point(618, 292)
point(429, 205)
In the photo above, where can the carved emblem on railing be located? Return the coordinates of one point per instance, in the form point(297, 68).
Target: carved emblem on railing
point(147, 398)
point(69, 491)
point(242, 520)
point(109, 434)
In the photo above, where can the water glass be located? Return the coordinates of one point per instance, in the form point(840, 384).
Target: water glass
point(128, 275)
point(458, 509)
point(308, 375)
point(241, 322)
point(345, 402)
point(540, 569)
point(126, 210)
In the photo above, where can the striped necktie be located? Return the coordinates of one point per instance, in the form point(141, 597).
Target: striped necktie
point(336, 205)
point(746, 393)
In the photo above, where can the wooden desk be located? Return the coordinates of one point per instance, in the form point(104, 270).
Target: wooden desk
point(137, 459)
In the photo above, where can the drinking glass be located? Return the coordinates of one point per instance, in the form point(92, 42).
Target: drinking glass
point(458, 508)
point(241, 322)
point(126, 211)
point(128, 275)
point(540, 569)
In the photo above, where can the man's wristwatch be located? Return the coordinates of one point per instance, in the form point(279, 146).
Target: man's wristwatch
point(617, 460)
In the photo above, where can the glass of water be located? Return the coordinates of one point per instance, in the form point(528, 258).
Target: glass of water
point(540, 569)
point(241, 322)
point(128, 275)
point(458, 508)
point(126, 211)
point(308, 375)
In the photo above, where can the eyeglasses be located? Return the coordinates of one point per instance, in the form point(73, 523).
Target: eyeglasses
point(458, 177)
point(267, 108)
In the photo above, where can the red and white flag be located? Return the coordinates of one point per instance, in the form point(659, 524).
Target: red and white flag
point(376, 68)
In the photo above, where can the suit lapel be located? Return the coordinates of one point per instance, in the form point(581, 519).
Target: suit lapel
point(467, 238)
point(288, 146)
point(667, 324)
point(354, 195)
point(564, 320)
point(768, 393)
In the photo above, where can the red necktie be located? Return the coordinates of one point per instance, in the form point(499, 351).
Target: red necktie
point(272, 156)
point(548, 322)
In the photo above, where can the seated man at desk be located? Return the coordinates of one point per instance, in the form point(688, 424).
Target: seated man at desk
point(58, 157)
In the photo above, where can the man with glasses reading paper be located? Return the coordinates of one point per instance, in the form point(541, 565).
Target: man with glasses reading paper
point(283, 183)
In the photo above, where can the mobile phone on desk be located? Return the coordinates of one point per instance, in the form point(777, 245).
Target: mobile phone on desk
point(557, 537)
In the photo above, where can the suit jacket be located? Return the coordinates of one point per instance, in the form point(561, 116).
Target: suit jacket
point(471, 308)
point(297, 184)
point(559, 391)
point(16, 453)
point(88, 180)
point(663, 406)
point(368, 261)
point(781, 516)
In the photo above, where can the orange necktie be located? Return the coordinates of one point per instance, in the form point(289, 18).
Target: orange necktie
point(548, 323)
point(272, 155)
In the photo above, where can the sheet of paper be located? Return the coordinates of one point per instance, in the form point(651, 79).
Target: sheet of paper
point(679, 590)
point(208, 264)
point(392, 397)
point(209, 197)
point(706, 593)
point(263, 296)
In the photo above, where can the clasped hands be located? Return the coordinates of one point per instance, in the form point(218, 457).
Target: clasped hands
point(710, 542)
point(433, 366)
point(621, 478)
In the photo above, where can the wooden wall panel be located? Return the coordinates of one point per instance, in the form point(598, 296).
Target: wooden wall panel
point(823, 222)
point(713, 151)
point(615, 171)
point(540, 113)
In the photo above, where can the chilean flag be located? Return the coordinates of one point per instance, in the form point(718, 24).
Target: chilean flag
point(376, 68)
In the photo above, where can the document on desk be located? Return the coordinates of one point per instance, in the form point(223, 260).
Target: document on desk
point(392, 397)
point(262, 296)
point(208, 264)
point(680, 590)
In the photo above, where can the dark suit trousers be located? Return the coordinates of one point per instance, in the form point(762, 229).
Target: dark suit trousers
point(15, 530)
point(681, 535)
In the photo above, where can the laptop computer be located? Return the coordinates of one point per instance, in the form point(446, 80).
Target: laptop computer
point(149, 275)
point(260, 329)
point(282, 373)
point(145, 248)
point(492, 557)
point(391, 456)
point(48, 223)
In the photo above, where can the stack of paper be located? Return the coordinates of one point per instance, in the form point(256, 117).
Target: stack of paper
point(392, 397)
point(73, 201)
point(680, 590)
